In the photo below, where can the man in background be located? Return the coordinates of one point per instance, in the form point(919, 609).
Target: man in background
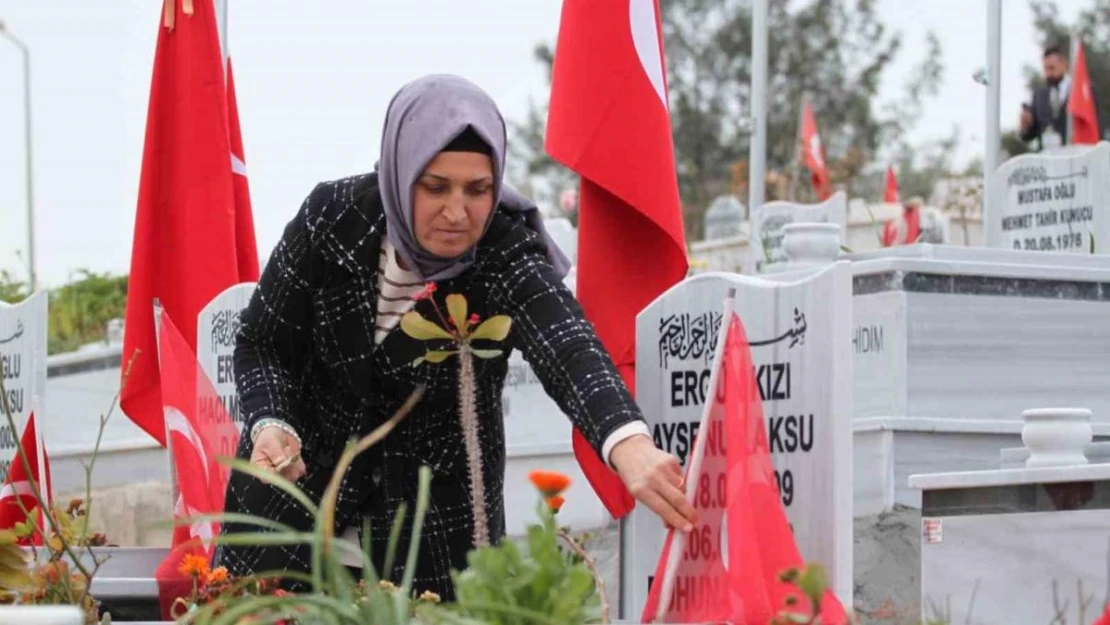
point(1046, 118)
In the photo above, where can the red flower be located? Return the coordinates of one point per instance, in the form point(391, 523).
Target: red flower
point(549, 483)
point(474, 319)
point(556, 502)
point(429, 288)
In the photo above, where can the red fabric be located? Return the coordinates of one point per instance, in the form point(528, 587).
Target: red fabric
point(890, 195)
point(194, 234)
point(17, 486)
point(1081, 103)
point(609, 123)
point(903, 230)
point(737, 498)
point(813, 154)
point(200, 432)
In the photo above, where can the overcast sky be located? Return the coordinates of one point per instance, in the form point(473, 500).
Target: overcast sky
point(313, 79)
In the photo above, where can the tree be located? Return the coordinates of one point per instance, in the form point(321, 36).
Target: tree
point(12, 290)
point(833, 51)
point(79, 311)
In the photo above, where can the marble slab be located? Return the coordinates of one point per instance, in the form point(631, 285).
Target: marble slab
point(1007, 477)
point(1006, 568)
point(952, 333)
point(1015, 457)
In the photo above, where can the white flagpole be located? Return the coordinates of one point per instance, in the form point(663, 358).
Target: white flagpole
point(40, 455)
point(174, 493)
point(993, 134)
point(1072, 53)
point(757, 151)
point(696, 455)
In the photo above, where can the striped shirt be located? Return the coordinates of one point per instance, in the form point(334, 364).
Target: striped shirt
point(397, 289)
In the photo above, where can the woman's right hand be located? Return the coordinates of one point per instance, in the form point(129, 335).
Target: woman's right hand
point(273, 448)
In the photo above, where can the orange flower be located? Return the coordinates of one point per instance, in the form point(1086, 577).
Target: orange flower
point(549, 483)
point(55, 571)
point(194, 566)
point(556, 502)
point(218, 575)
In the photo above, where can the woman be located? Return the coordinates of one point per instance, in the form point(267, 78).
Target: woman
point(320, 357)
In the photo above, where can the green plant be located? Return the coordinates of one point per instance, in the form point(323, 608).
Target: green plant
point(336, 597)
point(461, 330)
point(60, 576)
point(553, 581)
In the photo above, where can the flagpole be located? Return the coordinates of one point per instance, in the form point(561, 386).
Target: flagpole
point(697, 454)
point(993, 133)
point(158, 310)
point(40, 453)
point(757, 150)
point(796, 165)
point(1072, 54)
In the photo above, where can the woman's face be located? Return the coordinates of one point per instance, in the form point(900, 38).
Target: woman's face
point(452, 200)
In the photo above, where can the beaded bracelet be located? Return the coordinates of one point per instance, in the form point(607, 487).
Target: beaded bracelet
point(270, 422)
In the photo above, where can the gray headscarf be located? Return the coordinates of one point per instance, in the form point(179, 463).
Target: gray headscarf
point(423, 117)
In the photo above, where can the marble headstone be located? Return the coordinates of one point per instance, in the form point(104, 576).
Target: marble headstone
point(798, 325)
point(23, 359)
point(1052, 202)
point(723, 218)
point(217, 327)
point(765, 244)
point(534, 423)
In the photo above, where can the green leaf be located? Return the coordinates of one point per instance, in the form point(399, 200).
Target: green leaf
point(272, 478)
point(15, 568)
point(394, 539)
point(421, 329)
point(223, 518)
point(249, 539)
point(486, 354)
point(422, 495)
point(814, 581)
point(496, 328)
point(456, 311)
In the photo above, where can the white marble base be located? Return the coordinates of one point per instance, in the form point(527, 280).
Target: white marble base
point(41, 615)
point(943, 332)
point(1000, 568)
point(1015, 457)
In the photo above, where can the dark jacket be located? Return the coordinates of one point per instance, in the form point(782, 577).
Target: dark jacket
point(306, 354)
point(1043, 117)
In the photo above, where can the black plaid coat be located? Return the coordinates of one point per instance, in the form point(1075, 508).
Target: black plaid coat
point(306, 354)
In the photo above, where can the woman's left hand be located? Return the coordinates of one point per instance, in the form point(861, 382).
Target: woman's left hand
point(654, 477)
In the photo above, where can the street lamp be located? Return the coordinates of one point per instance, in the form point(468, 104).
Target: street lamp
point(26, 52)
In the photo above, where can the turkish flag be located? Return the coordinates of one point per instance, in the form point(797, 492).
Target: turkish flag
point(813, 154)
point(200, 432)
point(1081, 102)
point(727, 568)
point(890, 194)
point(194, 234)
point(608, 121)
point(17, 496)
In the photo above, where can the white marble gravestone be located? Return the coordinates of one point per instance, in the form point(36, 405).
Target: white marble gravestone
point(23, 356)
point(1052, 202)
point(765, 246)
point(799, 326)
point(217, 326)
point(724, 217)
